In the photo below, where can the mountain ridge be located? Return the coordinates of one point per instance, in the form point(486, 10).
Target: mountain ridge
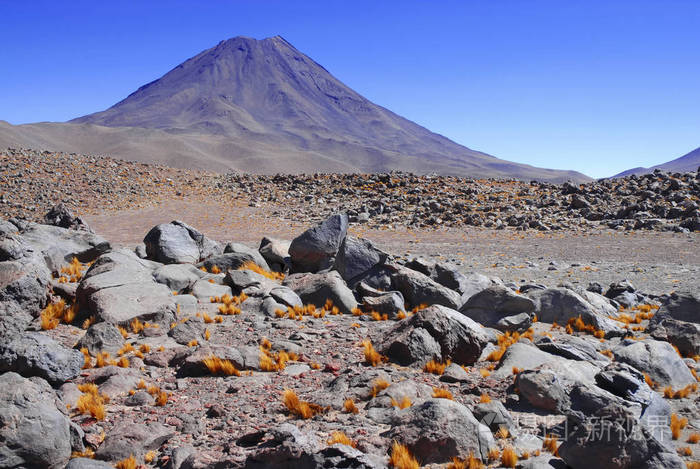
point(689, 162)
point(264, 106)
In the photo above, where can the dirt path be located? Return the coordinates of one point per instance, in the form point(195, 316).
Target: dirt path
point(657, 262)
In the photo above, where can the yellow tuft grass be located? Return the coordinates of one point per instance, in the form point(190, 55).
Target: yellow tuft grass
point(250, 265)
point(435, 367)
point(162, 398)
point(128, 463)
point(403, 403)
point(550, 444)
point(401, 457)
point(441, 393)
point(51, 315)
point(493, 454)
point(677, 425)
point(91, 401)
point(372, 357)
point(378, 385)
point(218, 366)
point(693, 438)
point(299, 408)
point(342, 438)
point(508, 457)
point(484, 399)
point(349, 407)
point(471, 462)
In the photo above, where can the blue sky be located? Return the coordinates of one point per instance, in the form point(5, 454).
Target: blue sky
point(595, 86)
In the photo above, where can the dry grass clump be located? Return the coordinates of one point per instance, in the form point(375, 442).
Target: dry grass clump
point(342, 438)
point(378, 317)
point(218, 366)
point(162, 398)
point(441, 393)
point(57, 312)
point(299, 408)
point(508, 457)
point(502, 433)
point(349, 407)
point(72, 273)
point(550, 444)
point(677, 425)
point(578, 324)
point(378, 385)
point(86, 453)
point(372, 357)
point(270, 361)
point(403, 403)
point(471, 462)
point(91, 401)
point(685, 451)
point(493, 454)
point(401, 457)
point(87, 359)
point(693, 438)
point(436, 367)
point(89, 322)
point(136, 326)
point(505, 341)
point(485, 399)
point(484, 373)
point(128, 463)
point(250, 265)
point(692, 465)
point(682, 393)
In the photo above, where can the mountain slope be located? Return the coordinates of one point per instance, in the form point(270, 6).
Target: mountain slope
point(263, 106)
point(686, 163)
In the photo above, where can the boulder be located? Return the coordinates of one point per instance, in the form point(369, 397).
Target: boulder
point(419, 289)
point(203, 289)
point(24, 286)
point(356, 257)
point(276, 254)
point(185, 332)
point(242, 249)
point(543, 389)
point(35, 354)
point(390, 303)
point(657, 359)
point(286, 447)
point(317, 288)
point(120, 287)
point(178, 277)
point(59, 215)
point(101, 337)
point(440, 429)
point(316, 249)
point(435, 332)
point(131, 438)
point(34, 433)
point(681, 306)
point(571, 347)
point(490, 306)
point(178, 243)
point(230, 260)
point(339, 455)
point(613, 438)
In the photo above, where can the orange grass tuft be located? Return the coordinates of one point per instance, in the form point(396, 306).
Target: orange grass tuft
point(372, 357)
point(508, 457)
point(403, 403)
point(299, 408)
point(485, 399)
point(342, 438)
point(401, 457)
point(349, 407)
point(436, 367)
point(128, 463)
point(378, 385)
point(250, 265)
point(441, 393)
point(550, 444)
point(471, 462)
point(218, 366)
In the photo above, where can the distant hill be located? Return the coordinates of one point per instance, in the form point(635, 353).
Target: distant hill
point(263, 106)
point(686, 163)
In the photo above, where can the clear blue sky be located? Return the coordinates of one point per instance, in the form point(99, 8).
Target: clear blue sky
point(596, 86)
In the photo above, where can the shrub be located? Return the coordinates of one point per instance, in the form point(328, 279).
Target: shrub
point(250, 265)
point(128, 463)
point(378, 385)
point(401, 457)
point(693, 438)
point(550, 444)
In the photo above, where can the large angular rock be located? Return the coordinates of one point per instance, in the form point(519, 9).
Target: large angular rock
point(491, 306)
point(101, 337)
point(178, 277)
point(356, 257)
point(120, 287)
point(543, 389)
point(613, 438)
point(35, 354)
point(230, 260)
point(24, 286)
point(287, 447)
point(339, 455)
point(435, 332)
point(255, 255)
point(678, 322)
point(13, 320)
point(316, 249)
point(317, 288)
point(131, 438)
point(657, 359)
point(33, 433)
point(390, 303)
point(178, 243)
point(276, 253)
point(440, 429)
point(419, 289)
point(59, 215)
point(681, 307)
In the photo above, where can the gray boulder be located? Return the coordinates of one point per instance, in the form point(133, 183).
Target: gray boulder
point(276, 253)
point(255, 255)
point(356, 257)
point(287, 448)
point(682, 306)
point(120, 287)
point(390, 303)
point(87, 463)
point(418, 288)
point(101, 337)
point(59, 215)
point(613, 438)
point(571, 347)
point(658, 359)
point(185, 332)
point(178, 243)
point(339, 455)
point(317, 288)
point(543, 389)
point(34, 433)
point(316, 249)
point(34, 354)
point(230, 260)
point(490, 306)
point(24, 286)
point(440, 429)
point(131, 438)
point(178, 277)
point(435, 332)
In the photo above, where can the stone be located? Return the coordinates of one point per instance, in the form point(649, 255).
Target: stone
point(34, 433)
point(390, 303)
point(440, 429)
point(128, 438)
point(24, 286)
point(316, 249)
point(185, 332)
point(317, 288)
point(178, 277)
point(416, 339)
point(419, 289)
point(339, 455)
point(87, 463)
point(178, 243)
point(542, 389)
point(35, 354)
point(101, 337)
point(203, 290)
point(59, 215)
point(657, 359)
point(495, 303)
point(230, 261)
point(242, 249)
point(276, 253)
point(356, 257)
point(287, 447)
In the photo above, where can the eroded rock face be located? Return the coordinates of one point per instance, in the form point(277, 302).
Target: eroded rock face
point(658, 359)
point(493, 307)
point(178, 243)
point(34, 354)
point(33, 432)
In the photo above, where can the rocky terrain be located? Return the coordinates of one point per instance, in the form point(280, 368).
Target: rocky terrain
point(33, 181)
point(325, 351)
